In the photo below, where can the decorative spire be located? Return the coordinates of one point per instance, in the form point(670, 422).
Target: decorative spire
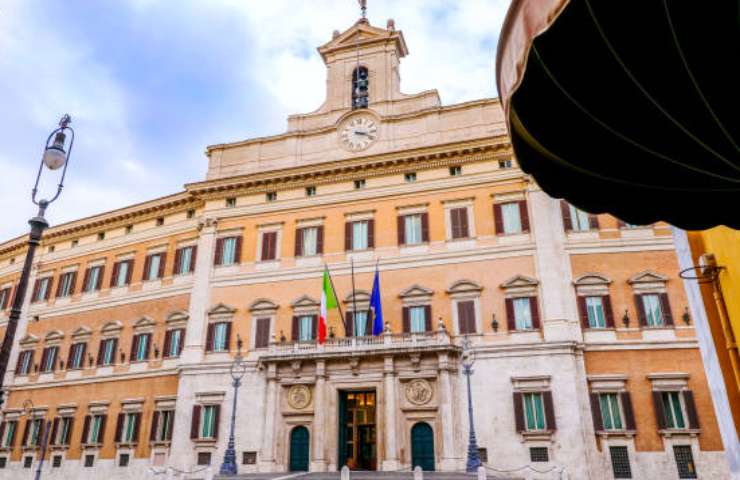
point(363, 8)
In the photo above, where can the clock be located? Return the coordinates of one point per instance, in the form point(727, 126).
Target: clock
point(358, 133)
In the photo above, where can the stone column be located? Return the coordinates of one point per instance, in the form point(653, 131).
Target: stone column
point(318, 460)
point(267, 455)
point(390, 462)
point(200, 294)
point(448, 462)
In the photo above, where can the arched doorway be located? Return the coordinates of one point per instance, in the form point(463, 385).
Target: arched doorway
point(299, 449)
point(422, 446)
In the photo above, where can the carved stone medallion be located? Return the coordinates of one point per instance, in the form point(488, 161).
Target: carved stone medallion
point(419, 392)
point(299, 397)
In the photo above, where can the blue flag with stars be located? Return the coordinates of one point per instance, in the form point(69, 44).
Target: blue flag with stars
point(376, 306)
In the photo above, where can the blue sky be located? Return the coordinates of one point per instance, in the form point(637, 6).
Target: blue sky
point(150, 83)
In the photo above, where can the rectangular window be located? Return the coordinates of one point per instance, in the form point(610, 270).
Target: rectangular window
point(4, 298)
point(173, 342)
point(684, 461)
point(412, 229)
point(620, 462)
point(89, 460)
point(580, 220)
point(269, 246)
point(76, 355)
point(459, 223)
point(220, 337)
point(310, 241)
point(539, 454)
point(35, 432)
point(504, 164)
point(673, 410)
point(512, 220)
point(359, 320)
point(42, 289)
point(48, 359)
point(9, 434)
point(611, 415)
point(208, 422)
point(66, 284)
point(3, 462)
point(27, 462)
point(204, 458)
point(96, 424)
point(228, 253)
point(163, 428)
point(56, 461)
point(123, 460)
point(65, 429)
point(305, 328)
point(130, 428)
point(595, 311)
point(153, 266)
point(122, 273)
point(653, 310)
point(534, 411)
point(360, 235)
point(271, 196)
point(109, 352)
point(409, 177)
point(418, 321)
point(230, 202)
point(93, 279)
point(359, 184)
point(522, 313)
point(310, 191)
point(184, 260)
point(141, 347)
point(249, 458)
point(262, 333)
point(25, 361)
point(455, 171)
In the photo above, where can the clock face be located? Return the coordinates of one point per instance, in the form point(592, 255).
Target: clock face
point(358, 133)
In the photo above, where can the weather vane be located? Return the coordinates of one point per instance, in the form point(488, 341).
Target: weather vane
point(363, 7)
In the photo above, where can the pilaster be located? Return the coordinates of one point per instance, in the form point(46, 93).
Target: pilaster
point(267, 454)
point(318, 454)
point(390, 460)
point(447, 461)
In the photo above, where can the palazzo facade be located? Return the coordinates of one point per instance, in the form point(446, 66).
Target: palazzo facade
point(585, 356)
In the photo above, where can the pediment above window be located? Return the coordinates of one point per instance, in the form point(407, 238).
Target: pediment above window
point(304, 301)
point(81, 333)
point(592, 284)
point(54, 337)
point(144, 324)
point(648, 281)
point(520, 286)
point(221, 312)
point(361, 300)
point(464, 288)
point(416, 291)
point(177, 319)
point(29, 340)
point(263, 305)
point(112, 328)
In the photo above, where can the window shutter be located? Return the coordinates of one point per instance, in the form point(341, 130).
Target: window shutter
point(216, 418)
point(347, 236)
point(400, 224)
point(294, 328)
point(298, 242)
point(162, 262)
point(596, 412)
point(137, 427)
point(119, 426)
point(406, 320)
point(147, 264)
point(466, 316)
point(510, 317)
point(82, 355)
point(565, 211)
point(44, 354)
point(176, 266)
point(148, 345)
point(166, 344)
point(666, 308)
point(608, 313)
point(69, 357)
point(101, 435)
point(425, 227)
point(134, 345)
point(463, 221)
point(130, 271)
point(524, 215)
point(629, 415)
point(582, 311)
point(26, 428)
point(193, 256)
point(371, 233)
point(228, 336)
point(320, 240)
point(99, 282)
point(518, 412)
point(114, 274)
point(549, 411)
point(18, 363)
point(73, 284)
point(100, 353)
point(593, 222)
point(218, 256)
point(2, 430)
point(454, 223)
point(85, 278)
point(428, 318)
point(54, 427)
point(195, 422)
point(85, 429)
point(262, 336)
point(314, 327)
point(498, 219)
point(688, 400)
point(659, 412)
point(640, 310)
point(535, 310)
point(171, 424)
point(36, 286)
point(59, 285)
point(153, 428)
point(238, 250)
point(209, 338)
point(349, 318)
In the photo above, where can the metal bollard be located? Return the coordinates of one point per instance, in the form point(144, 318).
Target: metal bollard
point(418, 473)
point(345, 473)
point(481, 473)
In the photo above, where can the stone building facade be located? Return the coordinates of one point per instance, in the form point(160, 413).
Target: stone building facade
point(584, 358)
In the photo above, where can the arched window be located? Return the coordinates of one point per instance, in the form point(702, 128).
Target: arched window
point(360, 83)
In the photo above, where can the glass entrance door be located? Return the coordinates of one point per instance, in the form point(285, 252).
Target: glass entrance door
point(357, 431)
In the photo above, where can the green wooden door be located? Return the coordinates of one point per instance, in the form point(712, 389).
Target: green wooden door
point(422, 446)
point(299, 449)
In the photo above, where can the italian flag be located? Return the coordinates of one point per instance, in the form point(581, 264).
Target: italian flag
point(328, 302)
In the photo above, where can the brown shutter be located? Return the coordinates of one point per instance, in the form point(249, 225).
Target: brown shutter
point(82, 355)
point(137, 426)
point(162, 262)
point(401, 231)
point(2, 430)
point(524, 214)
point(171, 424)
point(659, 412)
point(665, 306)
point(153, 428)
point(193, 256)
point(166, 344)
point(101, 435)
point(216, 418)
point(73, 284)
point(565, 211)
point(294, 328)
point(218, 256)
point(347, 236)
point(176, 265)
point(36, 286)
point(535, 310)
point(18, 363)
point(101, 272)
point(262, 335)
point(428, 318)
point(44, 353)
point(59, 285)
point(454, 223)
point(130, 271)
point(466, 316)
point(608, 313)
point(209, 338)
point(688, 399)
point(65, 439)
point(593, 222)
point(498, 219)
point(510, 317)
point(54, 427)
point(518, 412)
point(238, 250)
point(100, 353)
point(114, 274)
point(371, 233)
point(298, 242)
point(349, 318)
point(406, 320)
point(582, 311)
point(640, 310)
point(425, 227)
point(119, 426)
point(148, 345)
point(85, 429)
point(85, 278)
point(320, 240)
point(26, 429)
point(195, 422)
point(134, 345)
point(147, 264)
point(629, 415)
point(11, 441)
point(228, 336)
point(314, 327)
point(264, 255)
point(549, 411)
point(596, 412)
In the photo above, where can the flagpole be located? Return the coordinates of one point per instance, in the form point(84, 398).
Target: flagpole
point(354, 299)
point(339, 304)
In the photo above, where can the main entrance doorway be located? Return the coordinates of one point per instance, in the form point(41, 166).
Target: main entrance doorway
point(422, 446)
point(299, 449)
point(357, 434)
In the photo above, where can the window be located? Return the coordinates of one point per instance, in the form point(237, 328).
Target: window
point(410, 177)
point(653, 311)
point(595, 312)
point(140, 347)
point(75, 243)
point(271, 196)
point(129, 229)
point(534, 411)
point(94, 427)
point(230, 202)
point(579, 220)
point(42, 289)
point(66, 285)
point(466, 317)
point(269, 246)
point(101, 236)
point(204, 458)
point(483, 454)
point(76, 355)
point(27, 462)
point(417, 317)
point(504, 164)
point(522, 313)
point(51, 248)
point(305, 328)
point(173, 341)
point(228, 250)
point(673, 410)
point(93, 279)
point(459, 223)
point(3, 462)
point(539, 454)
point(127, 427)
point(107, 352)
point(160, 221)
point(122, 273)
point(123, 460)
point(190, 213)
point(154, 266)
point(684, 461)
point(33, 435)
point(620, 462)
point(511, 217)
point(63, 429)
point(360, 84)
point(611, 415)
point(4, 298)
point(219, 335)
point(455, 171)
point(309, 241)
point(89, 460)
point(162, 423)
point(359, 323)
point(310, 191)
point(7, 433)
point(208, 425)
point(359, 235)
point(359, 184)
point(249, 458)
point(184, 260)
point(48, 359)
point(25, 363)
point(413, 229)
point(262, 333)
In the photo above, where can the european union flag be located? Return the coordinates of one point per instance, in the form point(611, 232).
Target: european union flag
point(375, 305)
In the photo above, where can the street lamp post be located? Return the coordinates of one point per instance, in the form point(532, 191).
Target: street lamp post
point(468, 359)
point(56, 155)
point(237, 370)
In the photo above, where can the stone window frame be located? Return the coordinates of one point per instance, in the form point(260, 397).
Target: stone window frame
point(418, 296)
point(262, 308)
point(649, 282)
point(221, 313)
point(414, 209)
point(265, 228)
point(236, 232)
point(592, 284)
point(674, 382)
point(359, 302)
point(513, 197)
point(128, 406)
point(177, 320)
point(469, 205)
point(523, 286)
point(82, 333)
point(535, 384)
point(359, 216)
point(306, 305)
point(204, 399)
point(160, 249)
point(67, 410)
point(36, 413)
point(41, 276)
point(612, 383)
point(163, 403)
point(300, 224)
point(466, 290)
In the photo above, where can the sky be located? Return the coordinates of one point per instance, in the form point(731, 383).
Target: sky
point(150, 83)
